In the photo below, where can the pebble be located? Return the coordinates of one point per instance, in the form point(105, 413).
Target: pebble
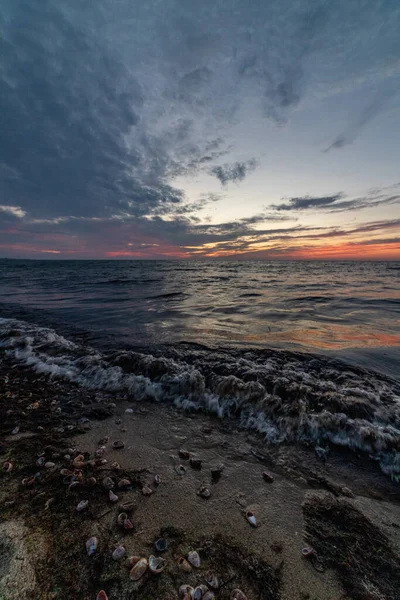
point(91, 545)
point(82, 505)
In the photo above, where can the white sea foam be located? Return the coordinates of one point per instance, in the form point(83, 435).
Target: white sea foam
point(285, 398)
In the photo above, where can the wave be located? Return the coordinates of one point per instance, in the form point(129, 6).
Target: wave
point(286, 397)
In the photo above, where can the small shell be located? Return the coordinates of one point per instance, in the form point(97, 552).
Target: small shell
point(129, 411)
point(157, 564)
point(73, 485)
point(204, 491)
point(49, 465)
point(126, 506)
point(146, 490)
point(91, 481)
point(69, 479)
point(196, 463)
point(139, 569)
point(115, 466)
point(251, 518)
point(119, 552)
point(118, 445)
point(186, 590)
point(212, 580)
point(124, 483)
point(15, 431)
point(40, 461)
point(185, 454)
point(7, 466)
point(194, 558)
point(102, 595)
point(99, 453)
point(108, 483)
point(307, 551)
point(79, 461)
point(209, 595)
point(180, 469)
point(112, 497)
point(122, 518)
point(199, 592)
point(91, 545)
point(82, 505)
point(157, 479)
point(132, 560)
point(161, 545)
point(238, 595)
point(103, 440)
point(268, 478)
point(65, 472)
point(184, 565)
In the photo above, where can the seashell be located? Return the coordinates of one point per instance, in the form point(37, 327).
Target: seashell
point(200, 591)
point(69, 479)
point(28, 481)
point(102, 595)
point(91, 545)
point(65, 472)
point(132, 560)
point(251, 518)
point(216, 472)
point(184, 565)
point(15, 430)
point(146, 490)
point(161, 545)
point(7, 466)
point(118, 445)
point(127, 506)
point(78, 474)
point(139, 569)
point(79, 461)
point(204, 491)
point(196, 463)
point(124, 483)
point(185, 454)
point(99, 453)
point(212, 580)
point(67, 456)
point(82, 505)
point(209, 595)
point(186, 590)
point(129, 411)
point(122, 518)
point(119, 552)
point(268, 478)
point(99, 462)
point(238, 595)
point(180, 469)
point(40, 428)
point(194, 558)
point(157, 479)
point(108, 483)
point(103, 440)
point(157, 564)
point(91, 481)
point(49, 465)
point(112, 497)
point(115, 466)
point(40, 461)
point(307, 551)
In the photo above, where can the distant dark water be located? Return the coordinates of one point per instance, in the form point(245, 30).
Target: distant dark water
point(313, 306)
point(261, 341)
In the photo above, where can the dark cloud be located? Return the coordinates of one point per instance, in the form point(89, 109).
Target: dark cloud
point(235, 172)
point(336, 204)
point(306, 202)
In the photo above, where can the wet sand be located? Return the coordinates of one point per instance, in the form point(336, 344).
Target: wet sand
point(265, 562)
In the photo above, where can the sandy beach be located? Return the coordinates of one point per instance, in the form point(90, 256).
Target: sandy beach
point(344, 508)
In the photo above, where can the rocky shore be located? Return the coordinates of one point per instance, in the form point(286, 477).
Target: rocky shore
point(74, 460)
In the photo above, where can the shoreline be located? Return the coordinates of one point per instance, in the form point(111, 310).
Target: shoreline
point(265, 561)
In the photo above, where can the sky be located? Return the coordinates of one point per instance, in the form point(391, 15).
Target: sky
point(267, 129)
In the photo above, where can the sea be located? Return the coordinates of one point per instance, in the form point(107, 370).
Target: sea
point(298, 351)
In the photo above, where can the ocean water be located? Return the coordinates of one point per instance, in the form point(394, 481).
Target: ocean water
point(276, 345)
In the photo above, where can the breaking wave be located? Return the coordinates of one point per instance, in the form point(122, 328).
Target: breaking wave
point(284, 396)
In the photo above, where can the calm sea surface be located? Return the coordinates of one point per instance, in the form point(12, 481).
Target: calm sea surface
point(314, 306)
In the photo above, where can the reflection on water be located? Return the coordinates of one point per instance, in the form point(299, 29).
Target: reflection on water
point(313, 305)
